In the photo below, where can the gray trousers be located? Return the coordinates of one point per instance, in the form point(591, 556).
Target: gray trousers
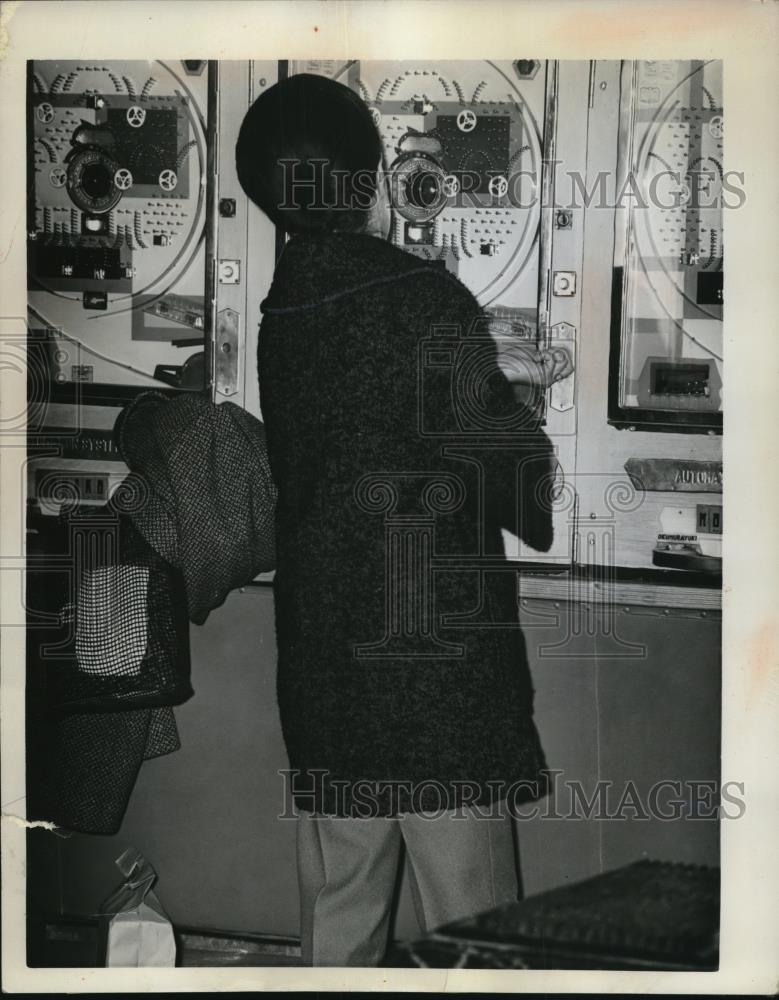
point(459, 864)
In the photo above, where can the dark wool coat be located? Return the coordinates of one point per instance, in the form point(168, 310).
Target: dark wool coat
point(399, 452)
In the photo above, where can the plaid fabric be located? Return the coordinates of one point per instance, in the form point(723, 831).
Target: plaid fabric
point(111, 638)
point(108, 655)
point(122, 637)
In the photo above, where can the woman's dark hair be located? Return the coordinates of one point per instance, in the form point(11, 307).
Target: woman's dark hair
point(307, 155)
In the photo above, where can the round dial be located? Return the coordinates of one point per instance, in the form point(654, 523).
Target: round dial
point(91, 181)
point(419, 185)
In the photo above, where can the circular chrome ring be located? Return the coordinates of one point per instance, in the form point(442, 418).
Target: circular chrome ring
point(419, 189)
point(93, 168)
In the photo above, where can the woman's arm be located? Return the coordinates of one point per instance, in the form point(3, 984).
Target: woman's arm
point(518, 457)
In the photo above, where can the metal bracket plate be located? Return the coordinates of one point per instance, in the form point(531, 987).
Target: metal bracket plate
point(562, 394)
point(226, 356)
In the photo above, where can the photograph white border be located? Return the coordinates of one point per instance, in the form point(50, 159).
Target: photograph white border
point(743, 33)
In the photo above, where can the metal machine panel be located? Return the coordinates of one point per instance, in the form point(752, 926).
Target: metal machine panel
point(120, 236)
point(118, 223)
point(472, 131)
point(668, 255)
point(647, 499)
